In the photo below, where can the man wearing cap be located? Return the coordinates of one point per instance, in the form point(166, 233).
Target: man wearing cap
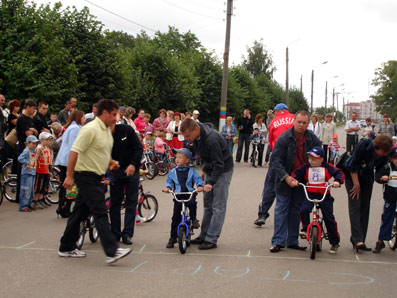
point(196, 114)
point(281, 122)
point(218, 169)
point(289, 153)
point(244, 125)
point(127, 150)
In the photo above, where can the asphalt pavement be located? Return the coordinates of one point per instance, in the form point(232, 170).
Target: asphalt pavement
point(241, 266)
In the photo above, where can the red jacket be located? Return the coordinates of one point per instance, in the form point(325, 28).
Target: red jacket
point(283, 121)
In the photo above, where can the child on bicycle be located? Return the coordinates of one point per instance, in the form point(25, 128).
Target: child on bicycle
point(387, 175)
point(317, 173)
point(333, 147)
point(28, 174)
point(182, 179)
point(257, 139)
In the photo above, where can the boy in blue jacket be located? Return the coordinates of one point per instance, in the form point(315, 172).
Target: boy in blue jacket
point(317, 172)
point(182, 179)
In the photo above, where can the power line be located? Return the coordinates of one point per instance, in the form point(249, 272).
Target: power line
point(190, 11)
point(113, 13)
point(203, 6)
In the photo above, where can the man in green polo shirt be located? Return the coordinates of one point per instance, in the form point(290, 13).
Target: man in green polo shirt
point(88, 161)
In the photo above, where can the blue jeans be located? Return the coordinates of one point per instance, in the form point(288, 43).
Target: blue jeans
point(215, 208)
point(286, 218)
point(389, 212)
point(27, 191)
point(268, 194)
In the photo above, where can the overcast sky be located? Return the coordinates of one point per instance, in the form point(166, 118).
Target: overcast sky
point(354, 36)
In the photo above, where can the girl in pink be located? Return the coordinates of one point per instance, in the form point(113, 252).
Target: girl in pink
point(159, 148)
point(333, 147)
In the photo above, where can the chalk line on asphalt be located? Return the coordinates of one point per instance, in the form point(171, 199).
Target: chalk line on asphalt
point(142, 248)
point(25, 245)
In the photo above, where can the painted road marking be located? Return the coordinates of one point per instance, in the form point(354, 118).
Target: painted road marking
point(143, 247)
point(25, 245)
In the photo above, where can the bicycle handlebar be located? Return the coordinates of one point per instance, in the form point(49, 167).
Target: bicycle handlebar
point(191, 193)
point(315, 200)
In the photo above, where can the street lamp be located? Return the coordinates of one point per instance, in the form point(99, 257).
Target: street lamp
point(311, 95)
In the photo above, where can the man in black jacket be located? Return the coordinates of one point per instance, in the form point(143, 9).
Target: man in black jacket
point(289, 153)
point(127, 150)
point(39, 119)
point(217, 164)
point(244, 125)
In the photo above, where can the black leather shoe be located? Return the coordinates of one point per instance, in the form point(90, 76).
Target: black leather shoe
point(297, 247)
point(276, 248)
point(171, 242)
point(260, 221)
point(197, 240)
point(207, 245)
point(127, 240)
point(362, 247)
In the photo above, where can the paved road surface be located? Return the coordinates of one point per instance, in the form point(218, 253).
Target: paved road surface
point(241, 266)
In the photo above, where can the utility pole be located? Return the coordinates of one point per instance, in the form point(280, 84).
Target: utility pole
point(326, 87)
point(286, 79)
point(225, 77)
point(311, 95)
point(333, 98)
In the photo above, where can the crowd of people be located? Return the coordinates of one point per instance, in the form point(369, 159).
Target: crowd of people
point(88, 148)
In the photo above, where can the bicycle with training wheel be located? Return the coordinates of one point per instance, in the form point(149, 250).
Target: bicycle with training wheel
point(87, 224)
point(185, 228)
point(393, 242)
point(255, 153)
point(315, 230)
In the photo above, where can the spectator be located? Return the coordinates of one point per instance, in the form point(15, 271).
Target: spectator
point(122, 119)
point(218, 170)
point(3, 114)
point(53, 119)
point(269, 119)
point(289, 154)
point(161, 123)
point(284, 120)
point(64, 114)
point(72, 128)
point(149, 127)
point(140, 121)
point(228, 132)
point(91, 116)
point(170, 115)
point(129, 112)
point(359, 182)
point(327, 131)
point(196, 114)
point(14, 107)
point(368, 128)
point(352, 129)
point(174, 135)
point(73, 102)
point(188, 115)
point(244, 125)
point(386, 127)
point(262, 130)
point(39, 119)
point(315, 126)
point(127, 150)
point(88, 161)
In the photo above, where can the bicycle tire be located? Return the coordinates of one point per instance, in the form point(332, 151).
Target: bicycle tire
point(182, 239)
point(10, 189)
point(313, 242)
point(1, 195)
point(53, 188)
point(255, 159)
point(7, 169)
point(162, 168)
point(393, 242)
point(149, 207)
point(82, 230)
point(92, 231)
point(152, 170)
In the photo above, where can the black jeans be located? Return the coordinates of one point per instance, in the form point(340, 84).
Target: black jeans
point(243, 138)
point(90, 200)
point(268, 193)
point(359, 209)
point(130, 187)
point(63, 204)
point(267, 158)
point(351, 142)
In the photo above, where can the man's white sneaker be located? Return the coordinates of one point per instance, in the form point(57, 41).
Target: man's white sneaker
point(73, 253)
point(120, 253)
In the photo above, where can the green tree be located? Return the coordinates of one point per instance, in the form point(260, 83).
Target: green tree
point(297, 101)
point(259, 60)
point(386, 95)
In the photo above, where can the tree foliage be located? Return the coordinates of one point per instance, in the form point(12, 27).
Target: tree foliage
point(386, 95)
point(259, 60)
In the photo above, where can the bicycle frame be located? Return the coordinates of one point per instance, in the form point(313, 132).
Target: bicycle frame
point(185, 219)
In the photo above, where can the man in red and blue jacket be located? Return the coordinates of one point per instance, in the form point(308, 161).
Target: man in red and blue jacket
point(315, 174)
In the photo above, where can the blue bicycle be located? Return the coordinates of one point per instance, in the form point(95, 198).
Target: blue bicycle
point(185, 229)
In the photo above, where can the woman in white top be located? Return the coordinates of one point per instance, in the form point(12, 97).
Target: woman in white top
point(315, 126)
point(327, 131)
point(262, 130)
point(174, 136)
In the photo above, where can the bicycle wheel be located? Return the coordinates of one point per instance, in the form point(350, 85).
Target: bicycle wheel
point(82, 229)
point(6, 170)
point(148, 207)
point(182, 239)
point(10, 189)
point(53, 187)
point(393, 242)
point(1, 195)
point(172, 162)
point(152, 170)
point(162, 168)
point(313, 242)
point(92, 232)
point(255, 158)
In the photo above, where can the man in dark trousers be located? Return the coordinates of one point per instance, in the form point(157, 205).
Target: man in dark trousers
point(244, 126)
point(217, 166)
point(39, 119)
point(127, 150)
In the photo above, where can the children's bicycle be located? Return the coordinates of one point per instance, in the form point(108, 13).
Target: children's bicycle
point(87, 224)
point(393, 242)
point(255, 152)
point(185, 229)
point(315, 230)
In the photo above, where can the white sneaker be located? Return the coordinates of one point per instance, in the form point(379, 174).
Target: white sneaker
point(73, 253)
point(139, 219)
point(120, 253)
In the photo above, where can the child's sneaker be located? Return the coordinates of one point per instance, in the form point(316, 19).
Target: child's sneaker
point(120, 253)
point(139, 219)
point(334, 249)
point(171, 242)
point(195, 224)
point(379, 246)
point(73, 253)
point(37, 205)
point(44, 201)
